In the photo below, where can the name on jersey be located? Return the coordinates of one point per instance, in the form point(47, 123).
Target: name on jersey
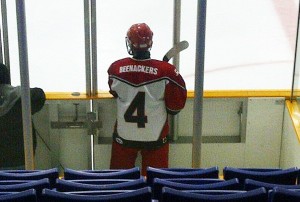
point(138, 68)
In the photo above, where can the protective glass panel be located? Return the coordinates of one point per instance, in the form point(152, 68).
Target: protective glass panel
point(250, 44)
point(115, 17)
point(55, 38)
point(296, 81)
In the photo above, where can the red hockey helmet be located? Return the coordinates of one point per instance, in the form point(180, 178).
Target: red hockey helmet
point(139, 38)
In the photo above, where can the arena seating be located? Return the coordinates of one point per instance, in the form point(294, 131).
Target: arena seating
point(23, 185)
point(214, 192)
point(51, 174)
point(194, 180)
point(279, 194)
point(162, 173)
point(167, 184)
point(103, 181)
point(68, 185)
point(138, 195)
point(22, 196)
point(159, 184)
point(133, 173)
point(254, 184)
point(277, 176)
point(173, 195)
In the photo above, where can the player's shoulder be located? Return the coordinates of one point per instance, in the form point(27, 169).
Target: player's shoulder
point(165, 65)
point(167, 69)
point(122, 60)
point(113, 68)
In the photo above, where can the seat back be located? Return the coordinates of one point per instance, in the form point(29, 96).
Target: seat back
point(180, 169)
point(10, 182)
point(215, 191)
point(284, 176)
point(23, 196)
point(138, 195)
point(98, 192)
point(254, 184)
point(37, 185)
point(152, 173)
point(279, 194)
point(173, 195)
point(194, 180)
point(67, 185)
point(158, 185)
point(51, 174)
point(133, 173)
point(102, 181)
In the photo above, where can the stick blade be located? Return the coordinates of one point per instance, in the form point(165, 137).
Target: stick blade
point(182, 45)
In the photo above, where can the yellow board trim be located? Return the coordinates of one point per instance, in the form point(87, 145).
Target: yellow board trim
point(75, 96)
point(292, 106)
point(190, 94)
point(294, 112)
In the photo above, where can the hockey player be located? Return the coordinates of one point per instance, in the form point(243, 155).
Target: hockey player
point(147, 90)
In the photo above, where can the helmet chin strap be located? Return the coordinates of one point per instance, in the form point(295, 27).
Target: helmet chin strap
point(128, 46)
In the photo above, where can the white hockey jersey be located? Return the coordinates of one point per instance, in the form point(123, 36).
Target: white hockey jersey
point(146, 91)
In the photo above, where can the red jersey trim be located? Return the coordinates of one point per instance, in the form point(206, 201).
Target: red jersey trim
point(147, 82)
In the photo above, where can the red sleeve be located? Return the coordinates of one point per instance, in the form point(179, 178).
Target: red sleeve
point(114, 93)
point(175, 94)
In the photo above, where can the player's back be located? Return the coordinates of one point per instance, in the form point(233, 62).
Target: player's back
point(140, 86)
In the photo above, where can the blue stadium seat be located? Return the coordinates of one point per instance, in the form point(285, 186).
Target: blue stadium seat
point(37, 185)
point(162, 173)
point(10, 182)
point(276, 176)
point(173, 195)
point(194, 180)
point(214, 191)
point(138, 195)
point(254, 184)
point(279, 194)
point(98, 192)
point(23, 196)
point(102, 181)
point(133, 173)
point(5, 192)
point(158, 185)
point(184, 169)
point(67, 185)
point(51, 174)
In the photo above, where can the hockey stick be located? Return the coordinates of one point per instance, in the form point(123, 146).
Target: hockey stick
point(175, 50)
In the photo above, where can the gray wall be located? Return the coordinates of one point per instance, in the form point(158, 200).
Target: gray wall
point(230, 138)
point(290, 148)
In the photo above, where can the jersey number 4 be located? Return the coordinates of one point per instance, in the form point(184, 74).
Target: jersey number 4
point(138, 105)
